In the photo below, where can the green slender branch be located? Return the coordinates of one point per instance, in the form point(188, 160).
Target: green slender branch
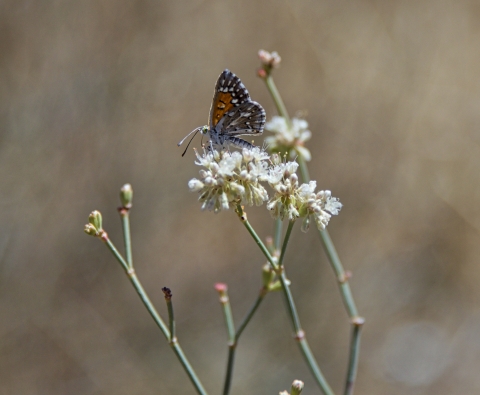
point(114, 251)
point(300, 335)
point(126, 197)
point(242, 215)
point(353, 358)
point(285, 242)
point(233, 336)
point(278, 233)
point(251, 312)
point(227, 313)
point(124, 213)
point(342, 277)
point(156, 317)
point(302, 164)
point(277, 99)
point(171, 319)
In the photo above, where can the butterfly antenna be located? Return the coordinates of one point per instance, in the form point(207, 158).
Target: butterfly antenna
point(196, 130)
point(193, 131)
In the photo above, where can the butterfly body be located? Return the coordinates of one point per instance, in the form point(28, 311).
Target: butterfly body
point(232, 114)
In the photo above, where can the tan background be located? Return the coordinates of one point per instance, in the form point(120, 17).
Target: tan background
point(94, 94)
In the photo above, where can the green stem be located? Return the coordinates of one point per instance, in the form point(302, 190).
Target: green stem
point(251, 312)
point(243, 217)
point(278, 233)
point(345, 292)
point(285, 242)
point(156, 317)
point(171, 319)
point(124, 213)
point(342, 278)
point(277, 99)
point(232, 336)
point(227, 313)
point(300, 335)
point(353, 358)
point(303, 169)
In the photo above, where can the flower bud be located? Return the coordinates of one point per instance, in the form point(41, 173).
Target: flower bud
point(297, 387)
point(90, 230)
point(126, 195)
point(95, 219)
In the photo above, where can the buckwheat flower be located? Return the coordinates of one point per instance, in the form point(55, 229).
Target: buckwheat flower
point(287, 139)
point(230, 177)
point(284, 181)
point(320, 206)
point(269, 59)
point(292, 200)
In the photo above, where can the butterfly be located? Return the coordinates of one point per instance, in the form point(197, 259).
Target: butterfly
point(232, 114)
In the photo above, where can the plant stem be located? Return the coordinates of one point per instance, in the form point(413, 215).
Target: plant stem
point(353, 359)
point(242, 215)
point(278, 233)
point(342, 277)
point(299, 334)
point(156, 317)
point(125, 215)
point(346, 293)
point(303, 169)
point(232, 347)
point(171, 318)
point(285, 242)
point(277, 99)
point(263, 292)
point(227, 313)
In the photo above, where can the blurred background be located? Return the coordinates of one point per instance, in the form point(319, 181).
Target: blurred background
point(95, 94)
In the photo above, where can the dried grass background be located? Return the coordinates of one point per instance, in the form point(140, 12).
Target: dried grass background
point(94, 94)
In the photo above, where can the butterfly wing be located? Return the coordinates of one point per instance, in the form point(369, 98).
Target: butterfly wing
point(229, 93)
point(247, 118)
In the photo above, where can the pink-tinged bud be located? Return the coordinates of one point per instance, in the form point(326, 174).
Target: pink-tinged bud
point(297, 387)
point(221, 287)
point(262, 73)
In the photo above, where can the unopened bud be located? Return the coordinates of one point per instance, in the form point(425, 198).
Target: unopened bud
point(95, 219)
point(126, 195)
point(90, 230)
point(297, 387)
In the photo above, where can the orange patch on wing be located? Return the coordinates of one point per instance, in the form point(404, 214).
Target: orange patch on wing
point(222, 104)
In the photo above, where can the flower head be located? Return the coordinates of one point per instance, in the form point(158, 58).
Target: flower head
point(292, 200)
point(288, 139)
point(231, 177)
point(269, 59)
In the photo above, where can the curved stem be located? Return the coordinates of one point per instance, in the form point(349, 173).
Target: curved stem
point(156, 317)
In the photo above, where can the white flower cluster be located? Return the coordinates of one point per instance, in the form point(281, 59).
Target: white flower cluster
point(270, 59)
point(293, 201)
point(234, 177)
point(231, 177)
point(288, 139)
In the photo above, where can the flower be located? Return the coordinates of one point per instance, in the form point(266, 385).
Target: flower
point(293, 201)
point(269, 59)
point(288, 139)
point(231, 177)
